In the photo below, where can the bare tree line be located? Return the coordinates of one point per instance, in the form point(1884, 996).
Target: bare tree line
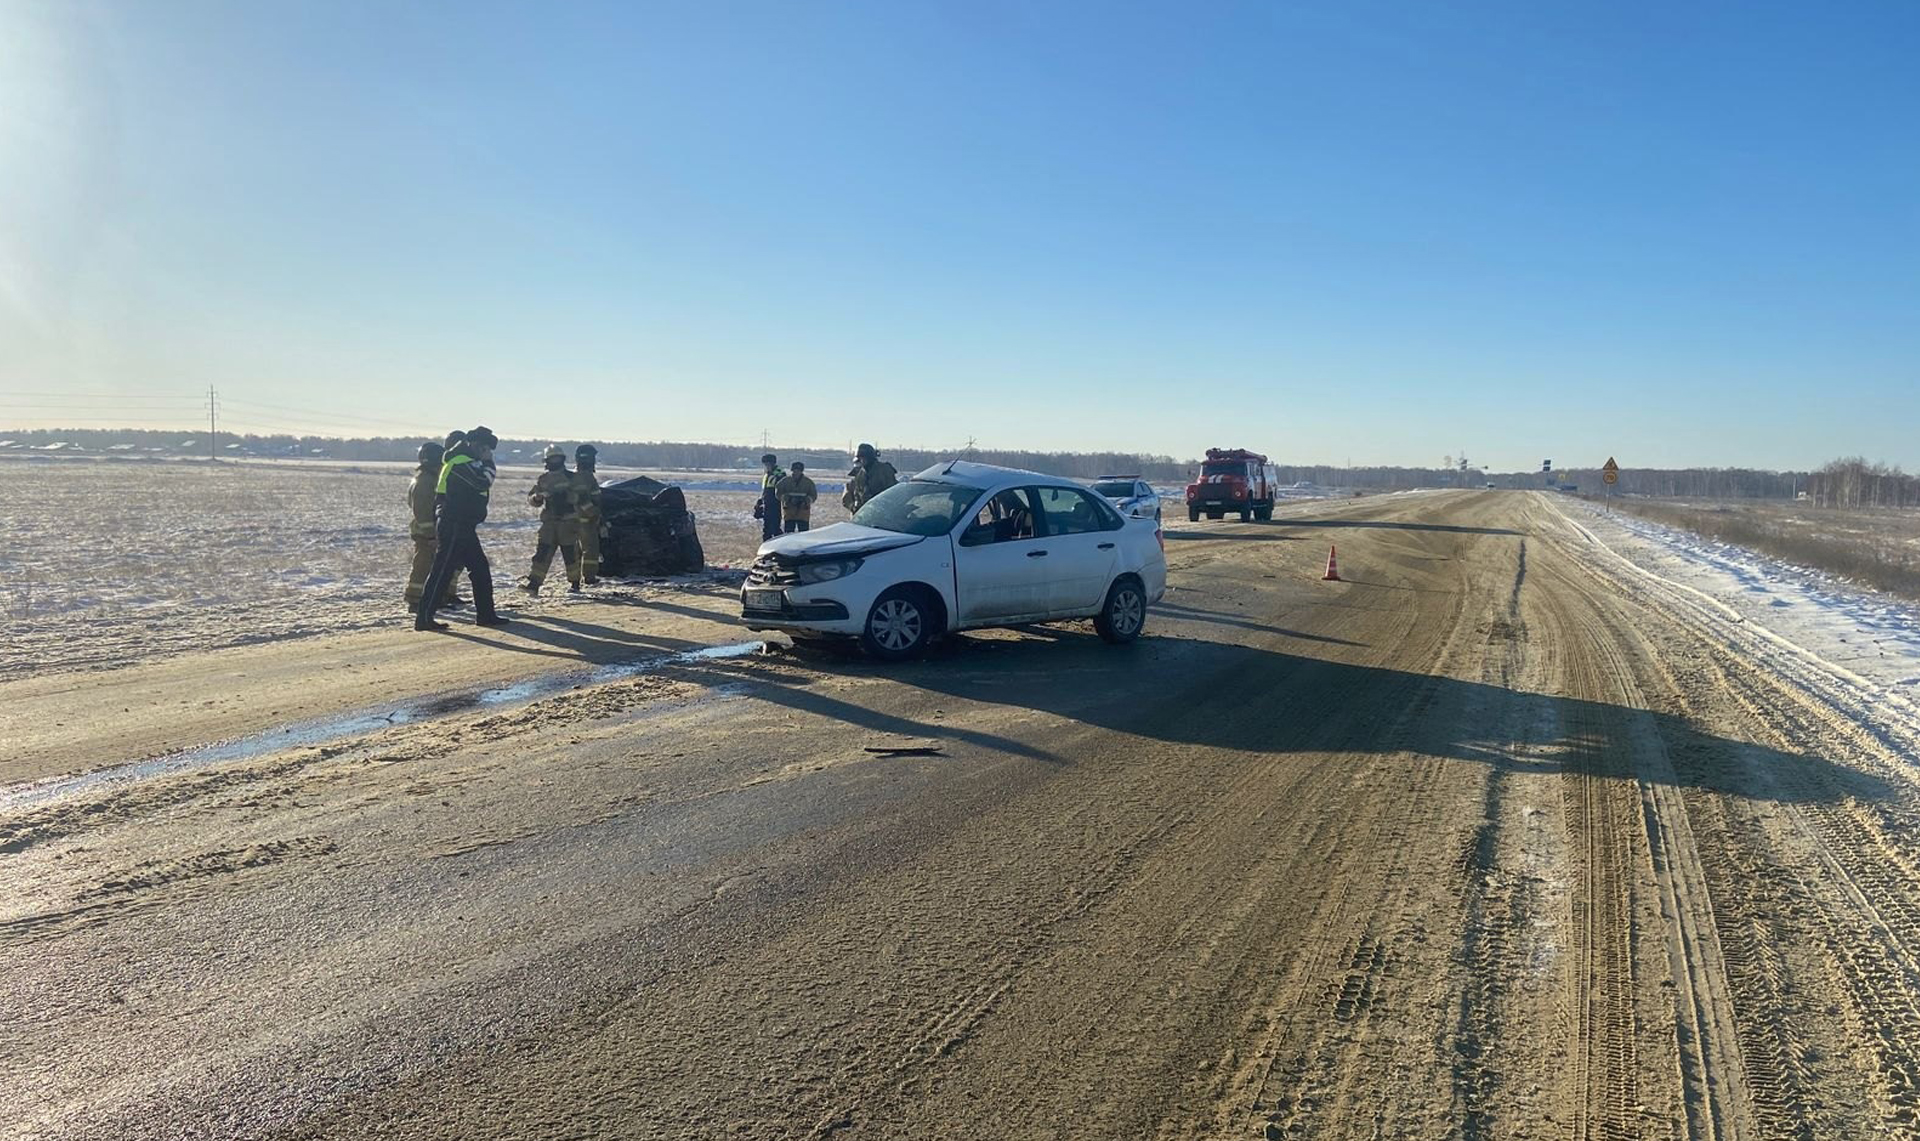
point(1853, 483)
point(1846, 483)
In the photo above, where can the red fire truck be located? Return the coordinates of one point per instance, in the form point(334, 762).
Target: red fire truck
point(1232, 479)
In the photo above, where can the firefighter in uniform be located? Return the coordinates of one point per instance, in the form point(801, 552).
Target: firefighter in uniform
point(553, 494)
point(586, 502)
point(420, 498)
point(796, 494)
point(870, 476)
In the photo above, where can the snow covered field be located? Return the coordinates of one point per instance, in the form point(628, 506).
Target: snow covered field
point(110, 563)
point(1856, 650)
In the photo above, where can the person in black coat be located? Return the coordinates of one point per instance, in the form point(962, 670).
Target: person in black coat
point(465, 485)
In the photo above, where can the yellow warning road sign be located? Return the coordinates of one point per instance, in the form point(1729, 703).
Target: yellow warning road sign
point(1610, 473)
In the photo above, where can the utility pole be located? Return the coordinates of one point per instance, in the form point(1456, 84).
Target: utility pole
point(213, 424)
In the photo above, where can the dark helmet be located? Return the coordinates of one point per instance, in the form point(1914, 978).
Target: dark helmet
point(454, 437)
point(769, 458)
point(585, 454)
point(799, 466)
point(867, 452)
point(483, 437)
point(431, 452)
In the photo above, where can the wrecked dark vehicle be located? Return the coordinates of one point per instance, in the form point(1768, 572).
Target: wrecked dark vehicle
point(650, 532)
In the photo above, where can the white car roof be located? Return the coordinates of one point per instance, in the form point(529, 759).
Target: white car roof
point(987, 477)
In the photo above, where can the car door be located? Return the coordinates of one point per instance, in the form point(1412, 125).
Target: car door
point(999, 562)
point(1082, 537)
point(1147, 502)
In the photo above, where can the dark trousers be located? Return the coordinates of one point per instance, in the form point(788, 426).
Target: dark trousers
point(459, 550)
point(796, 525)
point(769, 516)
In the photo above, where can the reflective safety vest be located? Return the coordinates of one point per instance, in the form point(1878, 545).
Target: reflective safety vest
point(446, 469)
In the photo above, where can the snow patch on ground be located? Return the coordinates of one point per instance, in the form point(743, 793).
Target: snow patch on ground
point(1855, 651)
point(1870, 635)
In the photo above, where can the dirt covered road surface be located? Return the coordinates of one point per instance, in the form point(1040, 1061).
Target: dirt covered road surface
point(1498, 838)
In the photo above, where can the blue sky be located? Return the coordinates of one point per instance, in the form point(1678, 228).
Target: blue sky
point(1675, 234)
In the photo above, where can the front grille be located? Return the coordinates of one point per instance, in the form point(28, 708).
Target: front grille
point(768, 570)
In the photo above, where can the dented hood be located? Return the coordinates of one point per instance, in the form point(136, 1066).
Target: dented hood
point(840, 541)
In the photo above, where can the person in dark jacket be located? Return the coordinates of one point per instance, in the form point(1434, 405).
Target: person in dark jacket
point(586, 496)
point(768, 509)
point(466, 483)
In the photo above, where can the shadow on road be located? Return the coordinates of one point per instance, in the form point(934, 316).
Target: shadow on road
point(1383, 525)
point(1218, 696)
point(568, 639)
point(1264, 534)
point(1194, 614)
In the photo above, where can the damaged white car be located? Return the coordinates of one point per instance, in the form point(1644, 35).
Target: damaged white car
point(960, 546)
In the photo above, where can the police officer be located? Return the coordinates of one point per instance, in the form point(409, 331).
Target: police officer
point(768, 510)
point(553, 494)
point(870, 476)
point(420, 498)
point(462, 491)
point(586, 500)
point(797, 493)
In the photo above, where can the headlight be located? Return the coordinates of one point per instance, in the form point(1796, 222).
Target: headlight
point(811, 573)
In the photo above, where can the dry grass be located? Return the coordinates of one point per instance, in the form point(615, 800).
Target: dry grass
point(1874, 547)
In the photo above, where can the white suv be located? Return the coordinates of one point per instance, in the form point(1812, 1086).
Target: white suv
point(959, 546)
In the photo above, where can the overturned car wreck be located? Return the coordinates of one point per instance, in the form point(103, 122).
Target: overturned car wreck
point(650, 532)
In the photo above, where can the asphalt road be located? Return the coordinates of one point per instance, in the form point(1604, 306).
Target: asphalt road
point(1487, 841)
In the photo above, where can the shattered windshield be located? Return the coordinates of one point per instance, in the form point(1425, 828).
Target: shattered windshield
point(917, 508)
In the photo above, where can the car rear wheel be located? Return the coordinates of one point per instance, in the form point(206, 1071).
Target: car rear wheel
point(901, 625)
point(1193, 514)
point(1125, 614)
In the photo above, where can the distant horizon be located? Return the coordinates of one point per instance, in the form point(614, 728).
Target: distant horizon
point(752, 449)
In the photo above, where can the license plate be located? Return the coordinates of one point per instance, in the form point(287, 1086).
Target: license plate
point(765, 599)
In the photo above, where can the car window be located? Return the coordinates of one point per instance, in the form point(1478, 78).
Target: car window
point(1002, 519)
point(1115, 488)
point(1142, 490)
point(916, 507)
point(1070, 511)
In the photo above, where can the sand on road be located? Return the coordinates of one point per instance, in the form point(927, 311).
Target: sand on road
point(1491, 840)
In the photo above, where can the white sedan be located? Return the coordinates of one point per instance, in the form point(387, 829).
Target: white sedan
point(1129, 494)
point(960, 546)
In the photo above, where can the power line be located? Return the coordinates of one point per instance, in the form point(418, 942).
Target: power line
point(338, 417)
point(104, 395)
point(121, 421)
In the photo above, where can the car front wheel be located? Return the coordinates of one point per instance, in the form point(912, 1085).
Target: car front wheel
point(1125, 614)
point(900, 625)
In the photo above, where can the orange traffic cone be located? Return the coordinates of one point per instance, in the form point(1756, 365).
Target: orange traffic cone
point(1333, 567)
